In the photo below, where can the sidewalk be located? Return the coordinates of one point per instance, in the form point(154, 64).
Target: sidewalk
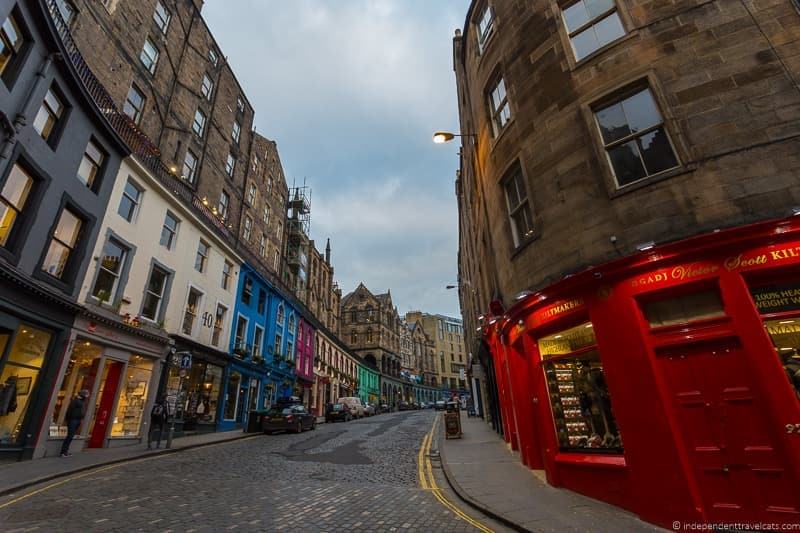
point(485, 474)
point(19, 475)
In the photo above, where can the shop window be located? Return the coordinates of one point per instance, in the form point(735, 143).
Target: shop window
point(13, 198)
point(84, 363)
point(785, 335)
point(579, 395)
point(592, 24)
point(219, 324)
point(634, 137)
point(109, 271)
point(195, 402)
point(232, 396)
point(132, 398)
point(91, 165)
point(62, 243)
point(19, 378)
point(683, 309)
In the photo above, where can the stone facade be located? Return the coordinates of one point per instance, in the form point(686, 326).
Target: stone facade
point(371, 328)
point(445, 343)
point(721, 75)
point(322, 295)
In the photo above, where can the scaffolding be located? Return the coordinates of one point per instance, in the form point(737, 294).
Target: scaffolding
point(298, 229)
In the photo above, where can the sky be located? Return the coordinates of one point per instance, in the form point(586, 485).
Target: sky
point(352, 91)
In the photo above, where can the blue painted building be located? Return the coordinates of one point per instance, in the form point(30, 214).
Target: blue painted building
point(261, 360)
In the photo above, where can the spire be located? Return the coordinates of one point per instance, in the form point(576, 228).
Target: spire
point(328, 252)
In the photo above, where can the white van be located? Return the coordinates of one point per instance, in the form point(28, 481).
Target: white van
point(354, 404)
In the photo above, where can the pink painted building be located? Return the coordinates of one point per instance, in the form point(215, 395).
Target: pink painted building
point(304, 362)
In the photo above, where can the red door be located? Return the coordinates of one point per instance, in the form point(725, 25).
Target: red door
point(737, 455)
point(106, 405)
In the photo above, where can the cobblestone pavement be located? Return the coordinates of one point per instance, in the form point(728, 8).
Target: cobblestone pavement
point(355, 476)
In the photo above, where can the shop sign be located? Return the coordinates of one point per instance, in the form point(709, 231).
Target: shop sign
point(677, 273)
point(786, 254)
point(777, 298)
point(557, 309)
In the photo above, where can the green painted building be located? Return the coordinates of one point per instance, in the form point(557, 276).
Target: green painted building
point(368, 384)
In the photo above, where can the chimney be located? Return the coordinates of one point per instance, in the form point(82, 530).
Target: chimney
point(328, 252)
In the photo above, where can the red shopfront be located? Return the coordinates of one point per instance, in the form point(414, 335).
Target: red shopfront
point(667, 383)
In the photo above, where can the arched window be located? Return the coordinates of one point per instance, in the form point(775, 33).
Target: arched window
point(353, 337)
point(279, 318)
point(291, 322)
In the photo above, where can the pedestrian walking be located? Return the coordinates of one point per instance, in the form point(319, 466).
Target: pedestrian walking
point(158, 419)
point(74, 416)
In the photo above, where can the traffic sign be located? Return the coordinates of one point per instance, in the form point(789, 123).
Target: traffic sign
point(186, 360)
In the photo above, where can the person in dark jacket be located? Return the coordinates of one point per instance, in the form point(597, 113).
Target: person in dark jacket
point(158, 418)
point(74, 416)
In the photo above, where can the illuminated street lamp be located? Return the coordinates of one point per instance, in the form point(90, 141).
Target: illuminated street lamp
point(441, 137)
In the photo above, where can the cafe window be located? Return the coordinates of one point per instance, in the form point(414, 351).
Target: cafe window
point(683, 309)
point(579, 396)
point(130, 407)
point(19, 377)
point(13, 197)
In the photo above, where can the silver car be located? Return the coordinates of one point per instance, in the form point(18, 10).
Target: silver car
point(369, 409)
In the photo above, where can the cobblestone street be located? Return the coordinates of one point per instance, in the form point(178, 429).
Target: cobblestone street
point(356, 476)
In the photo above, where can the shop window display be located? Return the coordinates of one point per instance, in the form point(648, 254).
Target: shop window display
point(20, 373)
point(132, 398)
point(785, 336)
point(579, 397)
point(81, 373)
point(232, 395)
point(196, 401)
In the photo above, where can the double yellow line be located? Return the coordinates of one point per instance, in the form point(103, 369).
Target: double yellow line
point(428, 482)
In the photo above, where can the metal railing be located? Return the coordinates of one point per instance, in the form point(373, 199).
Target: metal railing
point(145, 151)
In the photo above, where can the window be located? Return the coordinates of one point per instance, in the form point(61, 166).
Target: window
point(636, 143)
point(66, 10)
point(485, 27)
point(591, 25)
point(162, 17)
point(224, 202)
point(236, 133)
point(265, 214)
point(201, 259)
point(291, 322)
point(232, 396)
point(109, 271)
point(212, 56)
point(149, 56)
point(262, 301)
point(579, 396)
point(240, 334)
point(230, 164)
point(206, 87)
point(248, 228)
point(189, 170)
point(247, 291)
point(258, 340)
point(251, 194)
point(154, 293)
point(262, 246)
point(129, 203)
point(269, 184)
point(48, 115)
point(192, 308)
point(11, 42)
point(13, 198)
point(90, 164)
point(278, 345)
point(498, 106)
point(239, 105)
point(276, 257)
point(519, 211)
point(280, 315)
point(683, 309)
point(199, 123)
point(134, 104)
point(168, 231)
point(227, 268)
point(62, 243)
point(279, 230)
point(219, 324)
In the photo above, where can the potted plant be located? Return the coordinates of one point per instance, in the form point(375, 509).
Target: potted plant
point(258, 359)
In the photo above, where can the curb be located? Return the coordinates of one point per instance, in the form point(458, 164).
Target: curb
point(469, 500)
point(165, 451)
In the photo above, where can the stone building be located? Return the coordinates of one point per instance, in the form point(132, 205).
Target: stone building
point(446, 341)
point(160, 63)
point(630, 168)
point(371, 328)
point(322, 295)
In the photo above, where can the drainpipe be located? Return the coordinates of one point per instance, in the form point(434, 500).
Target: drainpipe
point(21, 119)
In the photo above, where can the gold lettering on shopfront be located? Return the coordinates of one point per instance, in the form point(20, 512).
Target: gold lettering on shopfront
point(562, 308)
point(693, 270)
point(773, 299)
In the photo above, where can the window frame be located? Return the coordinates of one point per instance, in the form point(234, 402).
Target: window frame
point(162, 22)
point(223, 207)
point(199, 307)
point(173, 232)
point(121, 278)
point(569, 35)
point(22, 221)
point(192, 176)
point(207, 89)
point(11, 70)
point(496, 113)
point(252, 192)
point(137, 204)
point(247, 228)
point(199, 127)
point(230, 164)
point(100, 167)
point(515, 173)
point(217, 332)
point(163, 300)
point(227, 274)
point(201, 256)
point(236, 131)
point(483, 37)
point(154, 65)
point(77, 254)
point(57, 128)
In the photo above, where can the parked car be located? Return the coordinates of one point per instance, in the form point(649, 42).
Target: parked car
point(354, 404)
point(288, 417)
point(440, 405)
point(385, 408)
point(405, 406)
point(337, 412)
point(369, 409)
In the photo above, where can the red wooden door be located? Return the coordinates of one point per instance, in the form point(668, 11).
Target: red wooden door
point(105, 407)
point(736, 453)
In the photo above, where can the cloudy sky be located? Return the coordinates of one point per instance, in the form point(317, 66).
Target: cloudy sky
point(352, 90)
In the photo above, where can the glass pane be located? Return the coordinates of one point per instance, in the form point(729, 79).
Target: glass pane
point(104, 285)
point(17, 187)
point(684, 309)
point(785, 336)
point(30, 346)
point(132, 191)
point(87, 171)
point(157, 279)
point(5, 54)
point(581, 405)
point(81, 370)
point(17, 384)
point(150, 306)
point(12, 33)
point(113, 255)
point(613, 124)
point(641, 111)
point(576, 16)
point(585, 43)
point(68, 228)
point(609, 29)
point(56, 259)
point(43, 123)
point(7, 218)
point(657, 151)
point(626, 163)
point(512, 194)
point(132, 398)
point(126, 208)
point(55, 104)
point(231, 395)
point(94, 153)
point(598, 7)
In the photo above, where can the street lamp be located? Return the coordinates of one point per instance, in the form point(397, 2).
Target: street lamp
point(441, 137)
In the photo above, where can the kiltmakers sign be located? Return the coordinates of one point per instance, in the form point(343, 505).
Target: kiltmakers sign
point(777, 298)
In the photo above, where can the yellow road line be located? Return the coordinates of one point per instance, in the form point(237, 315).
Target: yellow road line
point(104, 468)
point(434, 488)
point(421, 462)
